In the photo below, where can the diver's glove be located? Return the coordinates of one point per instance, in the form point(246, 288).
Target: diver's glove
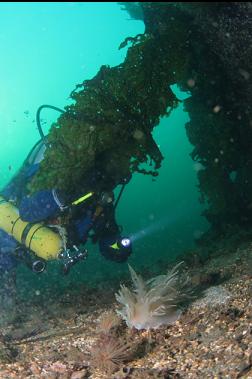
point(41, 205)
point(116, 249)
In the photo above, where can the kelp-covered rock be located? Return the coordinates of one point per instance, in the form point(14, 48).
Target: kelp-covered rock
point(204, 48)
point(110, 123)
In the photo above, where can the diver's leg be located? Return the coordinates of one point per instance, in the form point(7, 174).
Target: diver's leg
point(7, 278)
point(8, 304)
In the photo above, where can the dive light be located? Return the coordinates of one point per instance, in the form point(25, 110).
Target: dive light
point(123, 243)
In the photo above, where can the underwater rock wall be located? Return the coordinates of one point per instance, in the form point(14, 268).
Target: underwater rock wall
point(220, 126)
point(219, 55)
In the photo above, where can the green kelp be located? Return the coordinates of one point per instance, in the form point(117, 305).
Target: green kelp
point(110, 123)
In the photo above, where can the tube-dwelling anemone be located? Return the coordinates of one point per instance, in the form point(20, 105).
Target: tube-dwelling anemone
point(108, 354)
point(151, 303)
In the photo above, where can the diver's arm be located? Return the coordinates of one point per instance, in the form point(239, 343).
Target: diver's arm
point(37, 207)
point(41, 205)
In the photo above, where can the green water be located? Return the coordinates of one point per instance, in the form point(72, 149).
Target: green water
point(48, 48)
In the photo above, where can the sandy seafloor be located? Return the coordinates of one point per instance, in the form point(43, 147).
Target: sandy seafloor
point(212, 339)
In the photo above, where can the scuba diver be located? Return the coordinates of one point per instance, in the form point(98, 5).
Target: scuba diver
point(50, 224)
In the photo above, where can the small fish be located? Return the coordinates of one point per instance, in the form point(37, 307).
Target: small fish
point(9, 167)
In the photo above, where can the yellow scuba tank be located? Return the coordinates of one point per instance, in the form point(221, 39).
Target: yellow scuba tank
point(40, 239)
